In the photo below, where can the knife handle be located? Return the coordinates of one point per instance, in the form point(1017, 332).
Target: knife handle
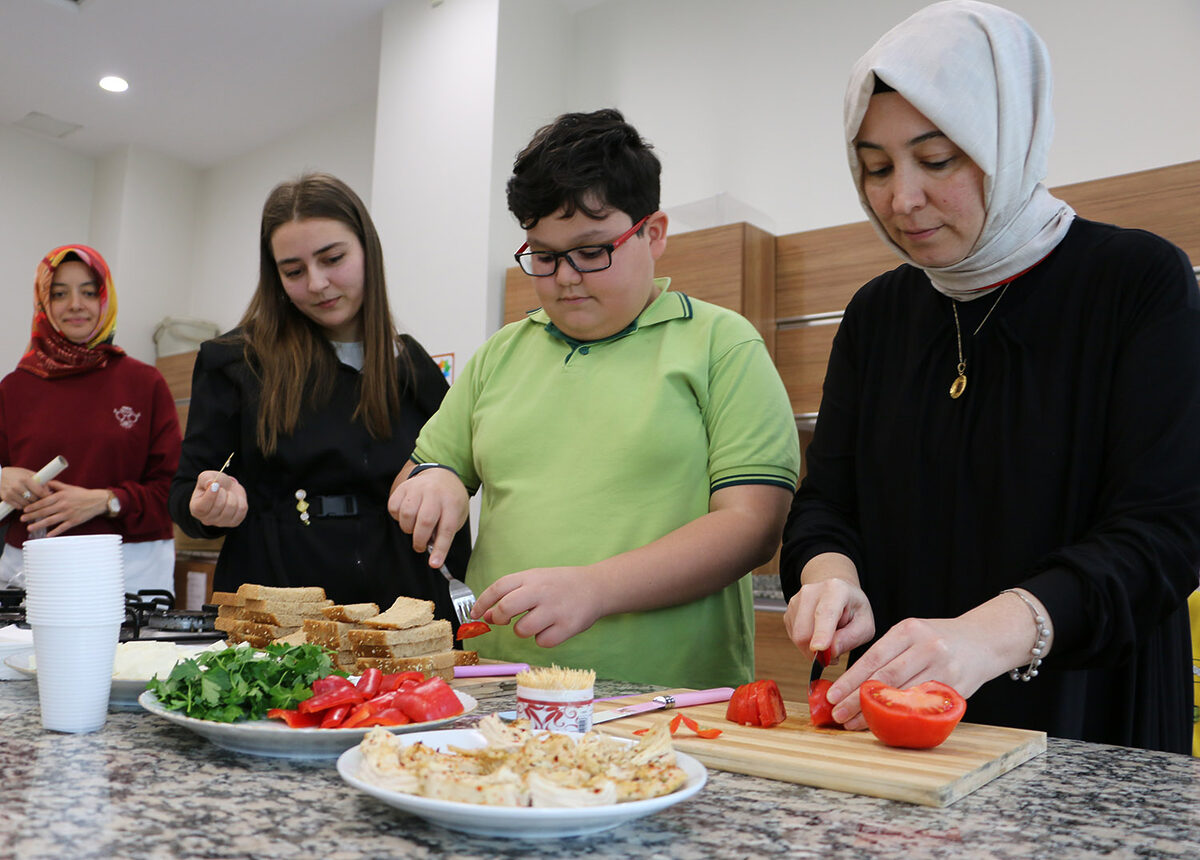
point(490, 670)
point(699, 697)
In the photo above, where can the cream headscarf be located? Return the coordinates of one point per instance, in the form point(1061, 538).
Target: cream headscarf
point(982, 76)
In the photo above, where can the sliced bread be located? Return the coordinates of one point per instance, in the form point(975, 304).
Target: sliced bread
point(351, 613)
point(405, 612)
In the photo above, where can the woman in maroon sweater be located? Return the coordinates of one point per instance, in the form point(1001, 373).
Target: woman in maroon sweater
point(75, 394)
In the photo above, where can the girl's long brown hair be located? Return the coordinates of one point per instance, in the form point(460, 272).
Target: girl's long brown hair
point(289, 352)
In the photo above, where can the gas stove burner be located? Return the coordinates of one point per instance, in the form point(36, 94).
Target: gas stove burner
point(151, 614)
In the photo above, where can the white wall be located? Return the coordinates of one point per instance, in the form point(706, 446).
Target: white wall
point(45, 201)
point(745, 98)
point(224, 269)
point(145, 209)
point(433, 171)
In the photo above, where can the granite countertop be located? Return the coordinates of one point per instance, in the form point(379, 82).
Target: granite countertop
point(143, 787)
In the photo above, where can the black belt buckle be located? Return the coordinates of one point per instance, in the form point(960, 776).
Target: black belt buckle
point(334, 506)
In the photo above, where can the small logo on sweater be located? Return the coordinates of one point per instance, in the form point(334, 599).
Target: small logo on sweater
point(126, 417)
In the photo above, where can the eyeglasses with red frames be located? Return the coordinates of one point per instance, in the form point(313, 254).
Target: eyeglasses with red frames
point(584, 259)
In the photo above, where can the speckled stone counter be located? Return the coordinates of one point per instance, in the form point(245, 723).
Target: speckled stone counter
point(142, 787)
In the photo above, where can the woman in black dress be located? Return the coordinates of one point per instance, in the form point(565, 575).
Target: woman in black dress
point(318, 401)
point(1003, 489)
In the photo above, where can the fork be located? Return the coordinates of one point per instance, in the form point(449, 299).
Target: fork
point(461, 596)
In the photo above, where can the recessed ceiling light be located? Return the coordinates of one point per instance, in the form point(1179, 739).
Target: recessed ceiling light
point(114, 84)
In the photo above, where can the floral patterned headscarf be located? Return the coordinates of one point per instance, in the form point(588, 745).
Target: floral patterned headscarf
point(50, 353)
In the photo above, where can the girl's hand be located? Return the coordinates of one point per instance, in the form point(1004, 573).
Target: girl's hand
point(18, 487)
point(63, 507)
point(218, 500)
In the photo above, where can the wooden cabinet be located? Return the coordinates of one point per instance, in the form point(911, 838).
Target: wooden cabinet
point(177, 371)
point(732, 266)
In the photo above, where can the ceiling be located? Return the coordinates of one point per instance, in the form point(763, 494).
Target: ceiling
point(208, 79)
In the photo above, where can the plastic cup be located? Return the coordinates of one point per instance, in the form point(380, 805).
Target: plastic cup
point(556, 710)
point(74, 674)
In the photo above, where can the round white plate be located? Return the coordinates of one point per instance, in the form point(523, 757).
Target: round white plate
point(523, 822)
point(123, 695)
point(275, 738)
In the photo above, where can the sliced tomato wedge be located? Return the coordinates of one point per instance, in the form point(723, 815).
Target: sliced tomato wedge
point(472, 629)
point(758, 703)
point(917, 717)
point(819, 709)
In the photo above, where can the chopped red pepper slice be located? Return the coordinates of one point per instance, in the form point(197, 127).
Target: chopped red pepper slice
point(330, 682)
point(690, 723)
point(331, 699)
point(708, 734)
point(675, 723)
point(472, 629)
point(430, 700)
point(333, 717)
point(387, 717)
point(294, 718)
point(640, 731)
point(369, 681)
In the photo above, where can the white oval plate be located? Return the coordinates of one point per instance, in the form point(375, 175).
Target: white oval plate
point(525, 822)
point(274, 738)
point(123, 695)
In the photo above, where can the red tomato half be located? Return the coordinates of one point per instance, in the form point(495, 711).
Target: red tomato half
point(758, 703)
point(819, 709)
point(918, 717)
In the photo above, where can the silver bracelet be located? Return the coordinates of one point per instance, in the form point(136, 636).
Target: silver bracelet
point(1039, 647)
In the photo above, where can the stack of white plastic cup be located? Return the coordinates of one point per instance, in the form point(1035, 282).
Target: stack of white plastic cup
point(75, 604)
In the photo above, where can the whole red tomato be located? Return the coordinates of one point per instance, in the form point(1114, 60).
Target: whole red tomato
point(917, 717)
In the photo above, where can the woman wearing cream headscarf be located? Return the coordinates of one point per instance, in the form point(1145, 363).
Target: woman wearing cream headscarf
point(75, 394)
point(1003, 488)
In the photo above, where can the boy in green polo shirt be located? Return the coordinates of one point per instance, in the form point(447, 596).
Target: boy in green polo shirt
point(635, 447)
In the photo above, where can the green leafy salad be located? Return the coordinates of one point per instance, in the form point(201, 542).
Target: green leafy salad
point(243, 683)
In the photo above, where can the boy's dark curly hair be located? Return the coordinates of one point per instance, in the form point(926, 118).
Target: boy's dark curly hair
point(580, 158)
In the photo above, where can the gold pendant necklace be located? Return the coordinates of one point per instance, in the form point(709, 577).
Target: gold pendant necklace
point(959, 385)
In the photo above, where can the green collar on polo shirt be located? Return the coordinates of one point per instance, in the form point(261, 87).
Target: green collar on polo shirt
point(668, 306)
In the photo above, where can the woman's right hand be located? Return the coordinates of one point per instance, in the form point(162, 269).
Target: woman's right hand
point(218, 500)
point(19, 487)
point(830, 610)
point(431, 507)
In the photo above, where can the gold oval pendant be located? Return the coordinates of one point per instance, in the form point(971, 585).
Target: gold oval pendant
point(958, 386)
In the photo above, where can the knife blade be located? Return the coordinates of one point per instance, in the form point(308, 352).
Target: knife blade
point(820, 660)
point(683, 700)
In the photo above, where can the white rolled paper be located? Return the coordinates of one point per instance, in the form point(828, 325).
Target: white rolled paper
point(47, 473)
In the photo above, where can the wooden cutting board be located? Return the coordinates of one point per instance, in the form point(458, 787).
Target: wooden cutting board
point(855, 762)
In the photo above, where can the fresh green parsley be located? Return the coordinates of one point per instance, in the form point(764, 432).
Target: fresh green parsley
point(243, 683)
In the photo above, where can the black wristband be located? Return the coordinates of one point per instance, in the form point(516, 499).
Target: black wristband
point(421, 467)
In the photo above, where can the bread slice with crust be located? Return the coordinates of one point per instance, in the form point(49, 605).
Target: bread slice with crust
point(351, 613)
point(404, 613)
point(441, 663)
point(303, 594)
point(437, 632)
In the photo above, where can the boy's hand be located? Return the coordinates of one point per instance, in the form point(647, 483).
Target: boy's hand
point(557, 603)
point(218, 500)
point(431, 507)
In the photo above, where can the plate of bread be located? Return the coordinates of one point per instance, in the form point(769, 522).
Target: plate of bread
point(522, 784)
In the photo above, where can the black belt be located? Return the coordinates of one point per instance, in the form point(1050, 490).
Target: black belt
point(333, 506)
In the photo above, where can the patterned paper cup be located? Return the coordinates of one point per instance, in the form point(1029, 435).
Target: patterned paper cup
point(556, 710)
